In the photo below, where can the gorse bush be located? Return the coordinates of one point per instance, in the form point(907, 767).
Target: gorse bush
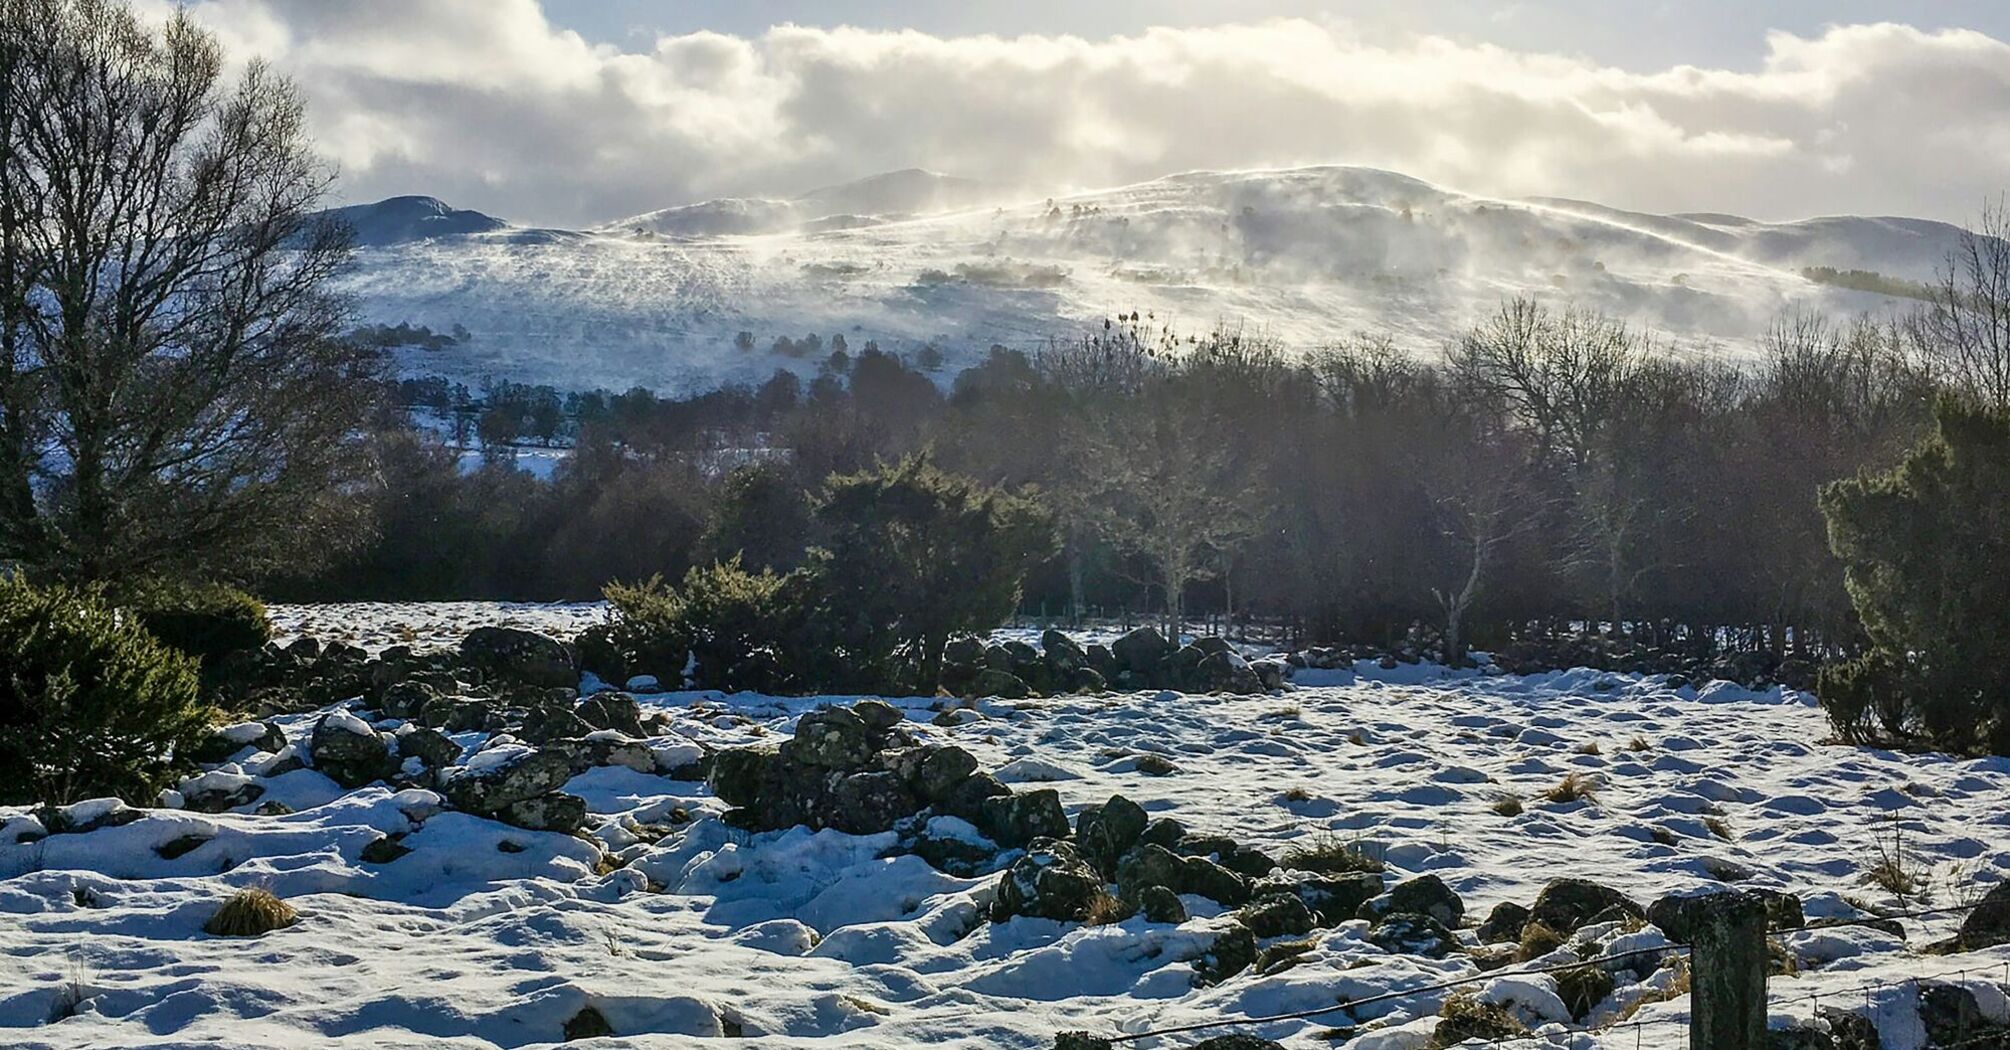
point(204, 620)
point(913, 556)
point(90, 703)
point(1926, 551)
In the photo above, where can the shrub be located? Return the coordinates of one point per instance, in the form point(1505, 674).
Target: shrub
point(1926, 551)
point(251, 913)
point(914, 556)
point(1574, 787)
point(204, 620)
point(1508, 806)
point(647, 629)
point(1538, 940)
point(90, 704)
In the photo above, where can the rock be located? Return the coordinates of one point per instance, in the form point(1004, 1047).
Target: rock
point(225, 741)
point(1013, 821)
point(1423, 895)
point(1226, 672)
point(955, 846)
point(830, 738)
point(181, 846)
point(1050, 882)
point(1851, 1031)
point(878, 715)
point(1952, 1016)
point(616, 711)
point(1163, 831)
point(220, 794)
point(1504, 923)
point(1003, 685)
point(346, 750)
point(487, 787)
point(1989, 924)
point(1334, 898)
point(1406, 933)
point(1237, 1041)
point(1086, 680)
point(1153, 865)
point(967, 798)
point(588, 1023)
point(963, 652)
point(383, 850)
point(1799, 1037)
point(740, 774)
point(869, 803)
point(941, 770)
point(1141, 651)
point(1276, 915)
point(515, 655)
point(557, 812)
point(1153, 765)
point(1232, 952)
point(1213, 645)
point(544, 724)
point(436, 749)
point(406, 699)
point(1161, 905)
point(82, 818)
point(1081, 1041)
point(1105, 833)
point(1062, 654)
point(1269, 673)
point(1566, 904)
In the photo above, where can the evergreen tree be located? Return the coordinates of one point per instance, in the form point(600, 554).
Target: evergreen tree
point(1927, 553)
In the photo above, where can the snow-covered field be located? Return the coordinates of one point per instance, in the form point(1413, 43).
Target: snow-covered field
point(816, 940)
point(425, 625)
point(1310, 255)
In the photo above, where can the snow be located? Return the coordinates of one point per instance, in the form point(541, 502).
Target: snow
point(1308, 254)
point(489, 936)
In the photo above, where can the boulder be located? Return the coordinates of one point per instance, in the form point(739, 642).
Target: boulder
point(1504, 923)
point(941, 770)
point(830, 738)
point(405, 699)
point(436, 749)
point(225, 741)
point(521, 656)
point(1226, 672)
point(616, 711)
point(1160, 904)
point(346, 750)
point(1989, 924)
point(1333, 898)
point(1277, 915)
point(1105, 833)
point(1141, 651)
point(1014, 820)
point(868, 803)
point(1150, 864)
point(1050, 882)
point(217, 792)
point(487, 785)
point(1407, 933)
point(1062, 654)
point(953, 845)
point(1423, 895)
point(1566, 904)
point(739, 775)
point(556, 811)
point(1233, 951)
point(1954, 1017)
point(1003, 685)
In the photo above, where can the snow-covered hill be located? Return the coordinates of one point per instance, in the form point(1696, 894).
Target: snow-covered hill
point(1310, 254)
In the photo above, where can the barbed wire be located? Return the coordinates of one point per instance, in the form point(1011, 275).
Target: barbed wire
point(1400, 993)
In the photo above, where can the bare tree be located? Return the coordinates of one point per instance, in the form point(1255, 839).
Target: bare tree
point(1965, 328)
point(173, 390)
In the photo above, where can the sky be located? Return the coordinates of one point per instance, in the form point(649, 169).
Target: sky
point(577, 112)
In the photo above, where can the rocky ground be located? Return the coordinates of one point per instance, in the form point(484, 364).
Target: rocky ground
point(481, 856)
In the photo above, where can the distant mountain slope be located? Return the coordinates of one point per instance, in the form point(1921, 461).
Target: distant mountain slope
point(398, 220)
point(913, 258)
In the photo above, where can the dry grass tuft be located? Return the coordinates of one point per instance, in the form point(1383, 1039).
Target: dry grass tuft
point(1639, 743)
point(1538, 940)
point(1105, 910)
point(1719, 827)
point(1508, 806)
point(1299, 794)
point(1590, 748)
point(1328, 855)
point(251, 913)
point(1575, 787)
point(1891, 869)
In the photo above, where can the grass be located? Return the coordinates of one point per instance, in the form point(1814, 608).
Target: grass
point(1639, 743)
point(251, 913)
point(1538, 940)
point(1891, 870)
point(1508, 806)
point(1719, 827)
point(1466, 1018)
point(1105, 910)
point(1664, 836)
point(1676, 989)
point(1299, 794)
point(1582, 988)
point(1329, 855)
point(1590, 748)
point(1574, 787)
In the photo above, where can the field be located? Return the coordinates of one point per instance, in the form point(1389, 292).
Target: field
point(487, 935)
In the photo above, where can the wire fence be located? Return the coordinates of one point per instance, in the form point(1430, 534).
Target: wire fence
point(1987, 1033)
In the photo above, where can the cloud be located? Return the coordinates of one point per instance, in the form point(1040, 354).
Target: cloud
point(487, 104)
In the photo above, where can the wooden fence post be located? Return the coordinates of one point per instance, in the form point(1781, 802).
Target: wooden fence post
point(1727, 972)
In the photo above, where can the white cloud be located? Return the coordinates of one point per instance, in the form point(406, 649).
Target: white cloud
point(485, 103)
